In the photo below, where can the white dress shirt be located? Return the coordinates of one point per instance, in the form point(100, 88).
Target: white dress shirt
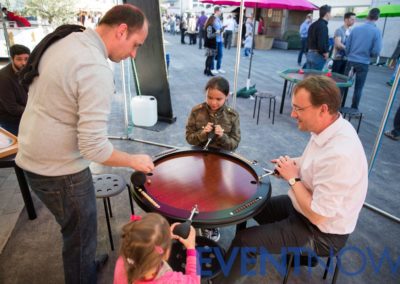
point(334, 169)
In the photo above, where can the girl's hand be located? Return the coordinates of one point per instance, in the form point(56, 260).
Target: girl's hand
point(208, 128)
point(190, 242)
point(219, 131)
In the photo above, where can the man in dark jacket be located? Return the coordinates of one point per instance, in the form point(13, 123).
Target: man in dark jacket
point(318, 40)
point(13, 97)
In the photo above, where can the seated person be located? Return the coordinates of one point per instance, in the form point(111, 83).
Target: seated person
point(13, 97)
point(214, 116)
point(327, 184)
point(145, 249)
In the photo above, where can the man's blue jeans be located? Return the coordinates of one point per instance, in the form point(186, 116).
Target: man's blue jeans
point(361, 71)
point(315, 60)
point(72, 201)
point(218, 57)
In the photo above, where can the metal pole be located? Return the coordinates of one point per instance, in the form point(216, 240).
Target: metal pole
point(377, 144)
point(125, 98)
point(248, 82)
point(238, 47)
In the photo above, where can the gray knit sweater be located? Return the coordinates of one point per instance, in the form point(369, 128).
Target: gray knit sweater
point(64, 125)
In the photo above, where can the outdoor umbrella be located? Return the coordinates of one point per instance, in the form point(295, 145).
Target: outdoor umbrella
point(302, 5)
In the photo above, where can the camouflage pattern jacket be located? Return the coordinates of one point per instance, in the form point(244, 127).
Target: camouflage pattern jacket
point(226, 117)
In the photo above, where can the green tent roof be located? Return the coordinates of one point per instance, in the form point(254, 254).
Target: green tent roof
point(386, 11)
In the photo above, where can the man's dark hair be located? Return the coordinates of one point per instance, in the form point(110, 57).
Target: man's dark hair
point(217, 8)
point(4, 9)
point(348, 15)
point(374, 14)
point(323, 10)
point(323, 90)
point(219, 83)
point(18, 49)
point(127, 14)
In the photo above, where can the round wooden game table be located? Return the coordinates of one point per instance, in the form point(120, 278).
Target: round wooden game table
point(226, 187)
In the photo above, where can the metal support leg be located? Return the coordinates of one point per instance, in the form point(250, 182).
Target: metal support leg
point(288, 268)
point(255, 104)
point(328, 263)
point(258, 112)
point(26, 195)
point(336, 273)
point(359, 122)
point(108, 224)
point(109, 206)
point(130, 198)
point(273, 112)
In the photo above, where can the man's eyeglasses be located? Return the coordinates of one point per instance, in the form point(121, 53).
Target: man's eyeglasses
point(297, 109)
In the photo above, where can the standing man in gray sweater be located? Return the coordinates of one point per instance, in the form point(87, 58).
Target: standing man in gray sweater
point(64, 127)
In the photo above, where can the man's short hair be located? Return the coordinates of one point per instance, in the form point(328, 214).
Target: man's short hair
point(374, 14)
point(348, 15)
point(217, 8)
point(18, 49)
point(323, 10)
point(127, 14)
point(323, 90)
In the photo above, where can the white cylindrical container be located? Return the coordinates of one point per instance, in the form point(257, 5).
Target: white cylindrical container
point(144, 110)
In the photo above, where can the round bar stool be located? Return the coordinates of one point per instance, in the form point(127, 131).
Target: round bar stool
point(259, 96)
point(106, 186)
point(208, 248)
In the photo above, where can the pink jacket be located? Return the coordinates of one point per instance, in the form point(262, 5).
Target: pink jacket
point(165, 275)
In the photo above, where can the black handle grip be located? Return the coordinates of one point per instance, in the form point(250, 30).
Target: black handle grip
point(183, 229)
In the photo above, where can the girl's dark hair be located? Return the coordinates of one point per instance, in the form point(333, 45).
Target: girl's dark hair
point(209, 21)
point(127, 14)
point(219, 83)
point(144, 245)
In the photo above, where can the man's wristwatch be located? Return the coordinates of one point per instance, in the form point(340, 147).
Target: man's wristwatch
point(292, 181)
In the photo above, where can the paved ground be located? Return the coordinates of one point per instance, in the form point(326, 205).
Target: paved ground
point(33, 250)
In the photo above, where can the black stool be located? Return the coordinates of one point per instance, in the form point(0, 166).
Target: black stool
point(106, 186)
point(264, 95)
point(314, 262)
point(352, 112)
point(177, 259)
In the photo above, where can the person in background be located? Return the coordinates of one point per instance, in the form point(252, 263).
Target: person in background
point(304, 37)
point(364, 42)
point(145, 249)
point(13, 96)
point(339, 48)
point(64, 128)
point(230, 26)
point(183, 27)
point(210, 43)
point(200, 27)
point(248, 44)
point(10, 16)
point(260, 30)
point(219, 30)
point(191, 30)
point(394, 134)
point(318, 40)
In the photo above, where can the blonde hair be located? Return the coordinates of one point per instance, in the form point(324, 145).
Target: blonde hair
point(144, 245)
